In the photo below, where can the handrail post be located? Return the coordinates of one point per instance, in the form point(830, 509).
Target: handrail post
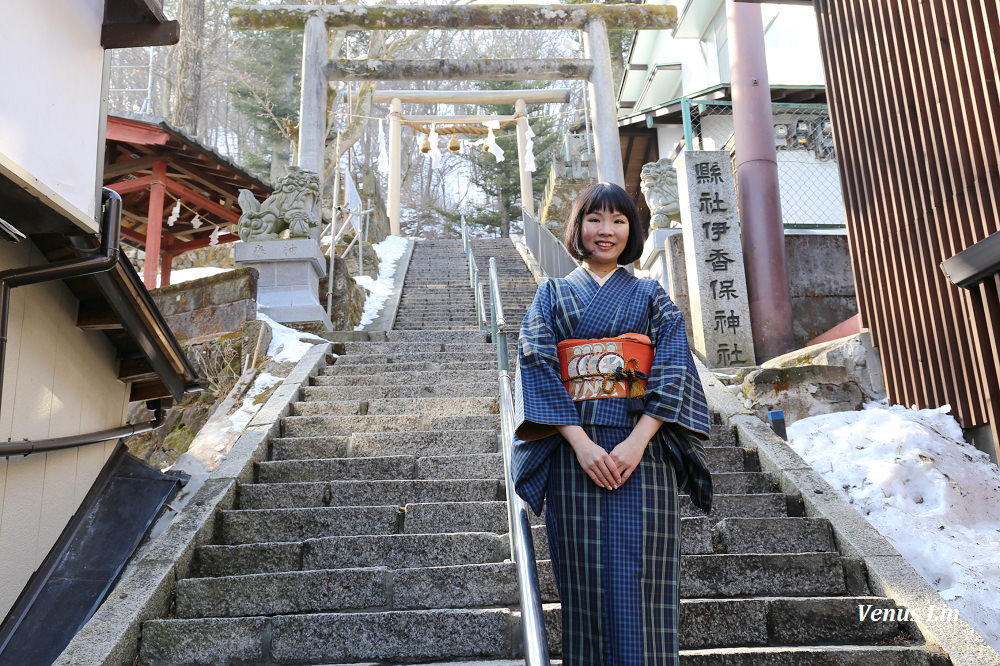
point(688, 129)
point(499, 323)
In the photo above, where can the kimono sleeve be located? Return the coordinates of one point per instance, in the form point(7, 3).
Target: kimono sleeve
point(674, 394)
point(544, 401)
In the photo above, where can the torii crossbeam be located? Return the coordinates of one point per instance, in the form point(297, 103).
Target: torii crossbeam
point(317, 70)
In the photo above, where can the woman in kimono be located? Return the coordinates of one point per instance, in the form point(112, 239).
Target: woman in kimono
point(606, 455)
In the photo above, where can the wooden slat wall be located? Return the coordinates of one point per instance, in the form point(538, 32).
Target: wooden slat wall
point(913, 90)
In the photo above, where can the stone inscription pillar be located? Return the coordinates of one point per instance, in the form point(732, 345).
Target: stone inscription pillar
point(713, 252)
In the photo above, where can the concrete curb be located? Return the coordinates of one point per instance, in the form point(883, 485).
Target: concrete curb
point(529, 259)
point(146, 590)
point(387, 317)
point(889, 574)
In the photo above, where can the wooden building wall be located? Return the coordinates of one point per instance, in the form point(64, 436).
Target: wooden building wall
point(913, 90)
point(58, 381)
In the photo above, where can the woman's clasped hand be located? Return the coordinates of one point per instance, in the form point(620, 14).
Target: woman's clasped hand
point(609, 470)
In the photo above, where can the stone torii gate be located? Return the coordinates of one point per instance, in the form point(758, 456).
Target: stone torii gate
point(317, 70)
point(520, 99)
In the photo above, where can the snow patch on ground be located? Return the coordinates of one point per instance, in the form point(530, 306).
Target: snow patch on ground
point(378, 290)
point(934, 496)
point(287, 344)
point(188, 274)
point(241, 417)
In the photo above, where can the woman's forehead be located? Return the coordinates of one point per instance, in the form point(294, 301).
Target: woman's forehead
point(603, 208)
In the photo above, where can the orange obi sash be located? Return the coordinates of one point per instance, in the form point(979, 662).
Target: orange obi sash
point(607, 367)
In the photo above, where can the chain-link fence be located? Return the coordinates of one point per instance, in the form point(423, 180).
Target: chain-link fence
point(808, 177)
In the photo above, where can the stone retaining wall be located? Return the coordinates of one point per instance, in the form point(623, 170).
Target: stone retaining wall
point(819, 276)
point(210, 306)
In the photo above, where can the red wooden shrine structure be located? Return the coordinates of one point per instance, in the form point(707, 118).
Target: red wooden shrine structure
point(153, 166)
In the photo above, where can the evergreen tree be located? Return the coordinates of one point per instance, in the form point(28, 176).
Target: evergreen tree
point(267, 91)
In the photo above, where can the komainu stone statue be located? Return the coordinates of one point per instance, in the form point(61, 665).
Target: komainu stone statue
point(659, 186)
point(290, 206)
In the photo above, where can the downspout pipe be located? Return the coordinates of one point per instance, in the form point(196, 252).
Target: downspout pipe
point(26, 448)
point(105, 258)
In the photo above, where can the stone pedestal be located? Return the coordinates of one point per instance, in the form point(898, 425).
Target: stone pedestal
point(653, 260)
point(288, 287)
point(713, 252)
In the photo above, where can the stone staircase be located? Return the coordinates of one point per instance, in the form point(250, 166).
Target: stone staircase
point(436, 293)
point(376, 530)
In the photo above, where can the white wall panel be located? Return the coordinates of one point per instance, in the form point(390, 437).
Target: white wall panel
point(51, 81)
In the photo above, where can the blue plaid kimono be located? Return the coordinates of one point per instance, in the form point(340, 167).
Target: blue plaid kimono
point(616, 554)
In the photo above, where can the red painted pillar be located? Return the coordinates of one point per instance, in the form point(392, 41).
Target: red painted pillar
point(166, 263)
point(154, 224)
point(757, 180)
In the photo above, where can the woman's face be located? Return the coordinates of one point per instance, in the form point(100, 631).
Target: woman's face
point(604, 234)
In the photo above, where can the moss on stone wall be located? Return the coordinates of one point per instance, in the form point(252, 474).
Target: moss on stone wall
point(451, 17)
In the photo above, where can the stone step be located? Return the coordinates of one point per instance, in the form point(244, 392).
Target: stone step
point(397, 551)
point(702, 622)
point(392, 406)
point(723, 435)
point(742, 575)
point(740, 483)
point(352, 336)
point(400, 467)
point(440, 335)
point(406, 321)
point(461, 586)
point(696, 537)
point(447, 308)
point(826, 655)
point(727, 458)
point(425, 374)
point(444, 280)
point(379, 358)
point(445, 298)
point(775, 621)
point(414, 347)
point(461, 466)
point(416, 324)
point(241, 526)
point(774, 535)
point(329, 637)
point(355, 469)
point(454, 299)
point(762, 505)
point(302, 448)
point(434, 371)
point(428, 390)
point(434, 325)
point(367, 493)
point(364, 444)
point(320, 426)
point(452, 310)
point(702, 575)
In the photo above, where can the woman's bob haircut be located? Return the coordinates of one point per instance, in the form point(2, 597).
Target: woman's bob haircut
point(604, 197)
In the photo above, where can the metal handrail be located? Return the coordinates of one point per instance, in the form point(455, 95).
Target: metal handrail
point(477, 289)
point(553, 257)
point(536, 647)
